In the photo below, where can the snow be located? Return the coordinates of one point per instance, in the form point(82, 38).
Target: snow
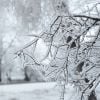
point(28, 91)
point(37, 91)
point(14, 88)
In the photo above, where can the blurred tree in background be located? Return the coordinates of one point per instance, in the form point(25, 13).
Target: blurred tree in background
point(67, 48)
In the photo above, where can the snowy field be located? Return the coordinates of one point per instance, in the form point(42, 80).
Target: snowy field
point(31, 91)
point(35, 91)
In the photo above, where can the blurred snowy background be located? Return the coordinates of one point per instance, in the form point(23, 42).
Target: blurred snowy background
point(19, 20)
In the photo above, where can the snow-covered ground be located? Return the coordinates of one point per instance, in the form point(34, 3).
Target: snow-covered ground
point(15, 88)
point(31, 91)
point(35, 91)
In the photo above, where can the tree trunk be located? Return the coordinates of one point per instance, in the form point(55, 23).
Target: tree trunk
point(0, 71)
point(1, 55)
point(26, 75)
